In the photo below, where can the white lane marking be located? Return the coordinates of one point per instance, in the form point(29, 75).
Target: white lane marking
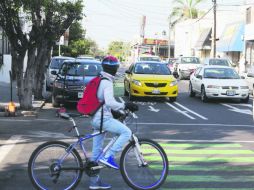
point(197, 124)
point(133, 114)
point(187, 109)
point(235, 109)
point(153, 109)
point(26, 120)
point(8, 145)
point(180, 111)
point(245, 105)
point(194, 140)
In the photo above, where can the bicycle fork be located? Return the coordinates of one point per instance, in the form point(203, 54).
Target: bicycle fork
point(138, 153)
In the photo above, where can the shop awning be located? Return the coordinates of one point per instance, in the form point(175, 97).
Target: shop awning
point(204, 41)
point(231, 38)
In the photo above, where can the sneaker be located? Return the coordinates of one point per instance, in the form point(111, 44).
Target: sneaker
point(99, 185)
point(109, 162)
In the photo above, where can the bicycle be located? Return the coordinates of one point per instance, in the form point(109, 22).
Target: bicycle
point(58, 165)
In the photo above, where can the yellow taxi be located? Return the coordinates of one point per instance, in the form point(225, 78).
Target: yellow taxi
point(151, 79)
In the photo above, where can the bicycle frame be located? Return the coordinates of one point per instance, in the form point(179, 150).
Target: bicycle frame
point(81, 139)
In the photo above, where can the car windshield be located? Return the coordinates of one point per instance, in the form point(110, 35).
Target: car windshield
point(151, 68)
point(190, 60)
point(220, 73)
point(149, 59)
point(221, 62)
point(56, 63)
point(81, 69)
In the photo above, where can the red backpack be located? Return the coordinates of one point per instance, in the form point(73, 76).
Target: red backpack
point(89, 104)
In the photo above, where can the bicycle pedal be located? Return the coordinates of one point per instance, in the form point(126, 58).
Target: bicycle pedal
point(97, 167)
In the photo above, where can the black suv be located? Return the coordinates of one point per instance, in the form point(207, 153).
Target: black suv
point(72, 79)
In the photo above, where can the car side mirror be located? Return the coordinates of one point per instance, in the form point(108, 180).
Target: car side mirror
point(199, 76)
point(233, 64)
point(128, 72)
point(242, 77)
point(53, 72)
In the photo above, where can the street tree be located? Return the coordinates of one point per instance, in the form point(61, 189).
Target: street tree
point(185, 9)
point(33, 27)
point(119, 49)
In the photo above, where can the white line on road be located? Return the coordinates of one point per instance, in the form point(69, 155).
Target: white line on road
point(187, 109)
point(198, 141)
point(235, 109)
point(133, 114)
point(8, 145)
point(180, 111)
point(197, 124)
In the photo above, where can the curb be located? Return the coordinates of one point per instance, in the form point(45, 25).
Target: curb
point(37, 106)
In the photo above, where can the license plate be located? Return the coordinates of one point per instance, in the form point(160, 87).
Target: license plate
point(156, 91)
point(230, 92)
point(80, 94)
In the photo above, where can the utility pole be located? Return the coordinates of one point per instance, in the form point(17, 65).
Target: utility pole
point(214, 29)
point(169, 36)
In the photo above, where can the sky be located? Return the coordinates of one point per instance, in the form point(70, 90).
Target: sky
point(111, 20)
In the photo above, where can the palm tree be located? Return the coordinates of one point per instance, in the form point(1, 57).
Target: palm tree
point(185, 9)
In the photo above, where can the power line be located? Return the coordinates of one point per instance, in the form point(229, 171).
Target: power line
point(203, 15)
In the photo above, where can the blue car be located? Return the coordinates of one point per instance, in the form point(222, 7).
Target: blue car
point(72, 79)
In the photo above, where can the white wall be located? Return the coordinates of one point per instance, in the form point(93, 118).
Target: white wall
point(4, 71)
point(188, 32)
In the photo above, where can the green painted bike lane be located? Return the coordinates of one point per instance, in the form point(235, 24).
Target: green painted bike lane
point(209, 166)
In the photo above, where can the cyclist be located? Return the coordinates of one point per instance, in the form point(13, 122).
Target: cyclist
point(105, 94)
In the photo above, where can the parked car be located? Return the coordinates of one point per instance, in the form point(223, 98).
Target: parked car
point(184, 66)
point(218, 82)
point(151, 79)
point(149, 58)
point(72, 79)
point(170, 63)
point(218, 61)
point(86, 57)
point(54, 65)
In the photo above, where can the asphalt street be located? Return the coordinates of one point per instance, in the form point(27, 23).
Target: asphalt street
point(209, 145)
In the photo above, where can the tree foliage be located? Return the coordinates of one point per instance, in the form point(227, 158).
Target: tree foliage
point(119, 49)
point(32, 27)
point(185, 9)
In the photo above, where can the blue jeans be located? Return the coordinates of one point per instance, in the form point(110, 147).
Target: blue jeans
point(113, 126)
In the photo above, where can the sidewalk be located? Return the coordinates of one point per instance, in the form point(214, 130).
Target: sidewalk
point(5, 96)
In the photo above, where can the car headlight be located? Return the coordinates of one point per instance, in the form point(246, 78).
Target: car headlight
point(244, 87)
point(59, 85)
point(173, 83)
point(213, 86)
point(136, 82)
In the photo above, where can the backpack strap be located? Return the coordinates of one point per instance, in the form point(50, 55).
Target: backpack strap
point(101, 125)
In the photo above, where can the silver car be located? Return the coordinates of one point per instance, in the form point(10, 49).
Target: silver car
point(54, 65)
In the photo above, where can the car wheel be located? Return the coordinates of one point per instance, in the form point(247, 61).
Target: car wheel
point(172, 99)
point(203, 94)
point(131, 98)
point(55, 103)
point(245, 100)
point(191, 92)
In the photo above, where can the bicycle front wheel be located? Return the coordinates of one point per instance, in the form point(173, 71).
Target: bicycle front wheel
point(54, 166)
point(144, 176)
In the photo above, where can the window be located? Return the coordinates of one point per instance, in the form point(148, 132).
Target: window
point(248, 15)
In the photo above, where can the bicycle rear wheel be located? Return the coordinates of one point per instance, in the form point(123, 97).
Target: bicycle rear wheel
point(144, 177)
point(53, 166)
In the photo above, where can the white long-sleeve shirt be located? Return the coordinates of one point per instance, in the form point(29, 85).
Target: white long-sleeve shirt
point(106, 93)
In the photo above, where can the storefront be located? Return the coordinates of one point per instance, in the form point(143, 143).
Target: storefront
point(203, 44)
point(231, 42)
